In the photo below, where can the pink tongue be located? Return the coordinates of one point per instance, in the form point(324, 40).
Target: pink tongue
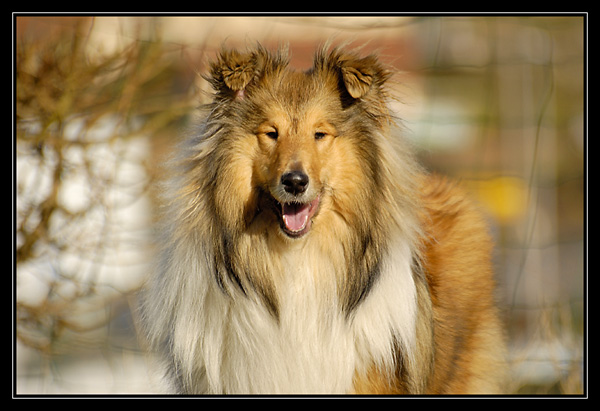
point(295, 216)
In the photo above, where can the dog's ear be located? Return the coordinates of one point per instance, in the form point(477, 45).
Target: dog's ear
point(232, 72)
point(235, 71)
point(360, 76)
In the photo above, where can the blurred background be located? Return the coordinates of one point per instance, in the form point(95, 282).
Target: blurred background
point(497, 102)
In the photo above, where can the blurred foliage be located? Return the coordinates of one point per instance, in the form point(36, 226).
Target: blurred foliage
point(65, 93)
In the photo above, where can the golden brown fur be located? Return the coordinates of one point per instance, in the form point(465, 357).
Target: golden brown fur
point(305, 251)
point(468, 354)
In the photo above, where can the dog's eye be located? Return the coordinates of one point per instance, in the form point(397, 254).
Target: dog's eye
point(272, 135)
point(319, 135)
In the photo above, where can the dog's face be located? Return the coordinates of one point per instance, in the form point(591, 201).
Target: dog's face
point(296, 144)
point(299, 136)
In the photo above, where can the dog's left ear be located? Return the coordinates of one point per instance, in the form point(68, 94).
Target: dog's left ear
point(360, 76)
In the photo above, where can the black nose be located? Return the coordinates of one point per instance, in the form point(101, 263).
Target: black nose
point(294, 182)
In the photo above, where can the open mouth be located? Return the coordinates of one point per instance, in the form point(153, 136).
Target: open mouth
point(295, 218)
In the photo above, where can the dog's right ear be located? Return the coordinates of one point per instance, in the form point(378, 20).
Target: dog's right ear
point(232, 72)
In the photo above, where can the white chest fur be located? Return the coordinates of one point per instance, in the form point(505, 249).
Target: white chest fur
point(313, 348)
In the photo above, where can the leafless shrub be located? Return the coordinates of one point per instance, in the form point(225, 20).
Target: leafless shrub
point(84, 127)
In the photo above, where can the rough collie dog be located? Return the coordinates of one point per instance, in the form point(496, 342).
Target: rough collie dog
point(304, 251)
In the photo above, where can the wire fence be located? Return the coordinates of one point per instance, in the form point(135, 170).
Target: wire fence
point(497, 102)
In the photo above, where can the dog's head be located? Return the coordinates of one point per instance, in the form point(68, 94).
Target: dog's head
point(298, 143)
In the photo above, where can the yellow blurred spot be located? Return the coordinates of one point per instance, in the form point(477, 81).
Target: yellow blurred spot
point(504, 197)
